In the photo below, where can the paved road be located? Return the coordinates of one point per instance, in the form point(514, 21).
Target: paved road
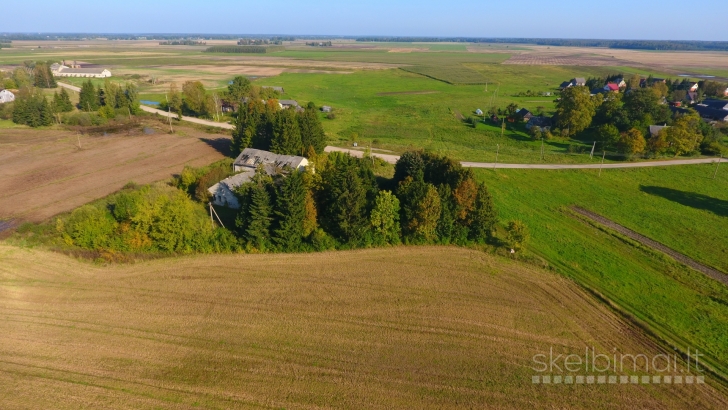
point(166, 114)
point(393, 159)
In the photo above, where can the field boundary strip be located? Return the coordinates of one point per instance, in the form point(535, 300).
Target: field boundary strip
point(685, 260)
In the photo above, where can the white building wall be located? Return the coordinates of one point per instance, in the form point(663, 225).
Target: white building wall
point(222, 196)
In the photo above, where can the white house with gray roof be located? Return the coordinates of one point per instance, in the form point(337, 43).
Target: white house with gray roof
point(223, 193)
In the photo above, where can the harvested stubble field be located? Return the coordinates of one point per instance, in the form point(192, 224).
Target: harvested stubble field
point(44, 172)
point(418, 328)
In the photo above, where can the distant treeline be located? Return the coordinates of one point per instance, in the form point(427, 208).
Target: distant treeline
point(320, 44)
point(621, 44)
point(243, 49)
point(182, 43)
point(141, 36)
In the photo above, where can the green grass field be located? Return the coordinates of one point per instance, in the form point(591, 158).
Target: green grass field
point(681, 207)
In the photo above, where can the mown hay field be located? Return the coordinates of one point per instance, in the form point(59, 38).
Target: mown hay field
point(46, 172)
point(432, 327)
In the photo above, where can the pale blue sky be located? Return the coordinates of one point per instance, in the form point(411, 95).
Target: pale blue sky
point(611, 19)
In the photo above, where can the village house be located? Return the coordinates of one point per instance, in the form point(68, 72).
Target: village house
point(525, 114)
point(542, 123)
point(716, 104)
point(285, 104)
point(612, 87)
point(574, 82)
point(693, 87)
point(326, 108)
point(565, 85)
point(620, 83)
point(711, 114)
point(6, 97)
point(245, 166)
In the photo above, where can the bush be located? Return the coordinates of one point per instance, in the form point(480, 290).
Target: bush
point(516, 235)
point(90, 228)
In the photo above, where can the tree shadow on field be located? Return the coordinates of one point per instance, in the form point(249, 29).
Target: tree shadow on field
point(691, 199)
point(221, 145)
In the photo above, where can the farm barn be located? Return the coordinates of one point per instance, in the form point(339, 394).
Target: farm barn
point(59, 70)
point(246, 164)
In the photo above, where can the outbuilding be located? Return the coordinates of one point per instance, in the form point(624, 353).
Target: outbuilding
point(245, 166)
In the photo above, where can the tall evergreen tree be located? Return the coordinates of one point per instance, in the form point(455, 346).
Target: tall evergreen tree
point(62, 102)
point(45, 113)
point(88, 97)
point(344, 200)
point(290, 212)
point(312, 132)
point(257, 229)
point(483, 217)
point(246, 126)
point(43, 77)
point(286, 134)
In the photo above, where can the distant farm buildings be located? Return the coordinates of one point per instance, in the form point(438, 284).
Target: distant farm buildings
point(223, 193)
point(285, 104)
point(6, 97)
point(75, 70)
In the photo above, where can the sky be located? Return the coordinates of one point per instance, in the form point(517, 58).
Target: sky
point(613, 19)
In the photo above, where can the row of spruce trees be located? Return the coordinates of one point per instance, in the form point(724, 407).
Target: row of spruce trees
point(108, 98)
point(282, 131)
point(430, 200)
point(32, 108)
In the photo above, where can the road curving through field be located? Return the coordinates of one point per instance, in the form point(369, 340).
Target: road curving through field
point(393, 158)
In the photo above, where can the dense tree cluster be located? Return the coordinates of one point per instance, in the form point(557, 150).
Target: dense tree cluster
point(154, 218)
point(343, 205)
point(283, 131)
point(109, 98)
point(620, 121)
point(43, 77)
point(32, 108)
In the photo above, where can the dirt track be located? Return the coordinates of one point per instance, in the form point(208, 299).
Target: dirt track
point(692, 263)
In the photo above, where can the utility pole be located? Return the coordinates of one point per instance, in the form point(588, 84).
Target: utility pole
point(496, 156)
point(718, 166)
point(592, 151)
point(169, 114)
point(503, 127)
point(602, 164)
point(541, 148)
point(216, 215)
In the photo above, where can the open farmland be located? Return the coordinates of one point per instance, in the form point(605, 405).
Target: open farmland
point(415, 327)
point(44, 172)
